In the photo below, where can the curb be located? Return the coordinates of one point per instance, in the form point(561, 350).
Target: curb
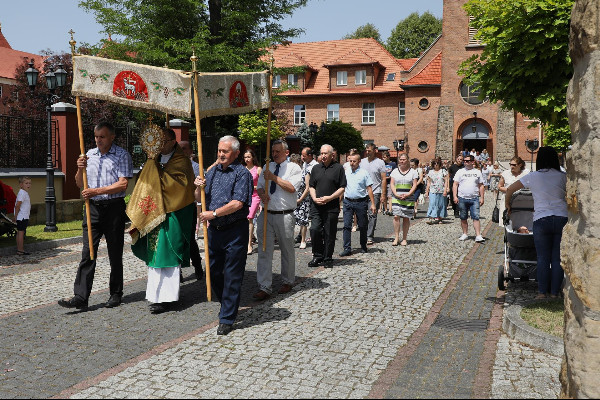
point(43, 245)
point(516, 328)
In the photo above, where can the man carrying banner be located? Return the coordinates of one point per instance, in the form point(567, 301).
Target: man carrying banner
point(109, 168)
point(229, 188)
point(161, 210)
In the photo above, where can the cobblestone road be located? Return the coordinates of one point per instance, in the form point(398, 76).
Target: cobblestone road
point(335, 335)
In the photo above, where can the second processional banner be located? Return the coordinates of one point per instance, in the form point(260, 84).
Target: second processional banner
point(226, 93)
point(136, 85)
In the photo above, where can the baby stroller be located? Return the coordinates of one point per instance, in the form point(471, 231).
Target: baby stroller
point(7, 196)
point(520, 258)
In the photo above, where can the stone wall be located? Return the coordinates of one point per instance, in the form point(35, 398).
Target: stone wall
point(580, 249)
point(445, 132)
point(67, 210)
point(505, 135)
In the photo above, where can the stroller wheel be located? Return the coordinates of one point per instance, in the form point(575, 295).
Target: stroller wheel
point(501, 285)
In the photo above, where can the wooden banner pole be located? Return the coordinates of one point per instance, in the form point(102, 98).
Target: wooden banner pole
point(201, 162)
point(88, 217)
point(267, 191)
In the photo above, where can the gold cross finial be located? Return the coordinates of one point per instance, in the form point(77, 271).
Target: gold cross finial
point(72, 42)
point(193, 58)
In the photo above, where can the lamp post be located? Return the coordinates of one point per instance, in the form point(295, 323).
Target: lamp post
point(53, 80)
point(313, 128)
point(532, 146)
point(399, 146)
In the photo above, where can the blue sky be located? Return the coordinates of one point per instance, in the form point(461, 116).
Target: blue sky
point(36, 25)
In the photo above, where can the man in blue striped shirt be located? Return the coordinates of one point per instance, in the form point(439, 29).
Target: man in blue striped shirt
point(109, 168)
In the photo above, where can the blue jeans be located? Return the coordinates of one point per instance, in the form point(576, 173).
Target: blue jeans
point(360, 209)
point(468, 206)
point(547, 234)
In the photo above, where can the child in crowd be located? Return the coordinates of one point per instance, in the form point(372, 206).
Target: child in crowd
point(22, 209)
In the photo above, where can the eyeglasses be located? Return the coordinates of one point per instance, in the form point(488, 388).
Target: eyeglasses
point(513, 165)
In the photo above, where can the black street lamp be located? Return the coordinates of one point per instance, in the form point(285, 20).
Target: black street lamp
point(53, 80)
point(532, 146)
point(399, 146)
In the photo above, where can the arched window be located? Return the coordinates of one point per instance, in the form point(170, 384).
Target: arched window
point(470, 93)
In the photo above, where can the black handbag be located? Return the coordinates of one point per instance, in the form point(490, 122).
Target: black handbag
point(496, 212)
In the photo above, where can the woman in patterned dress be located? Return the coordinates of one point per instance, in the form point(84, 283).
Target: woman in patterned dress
point(303, 203)
point(437, 190)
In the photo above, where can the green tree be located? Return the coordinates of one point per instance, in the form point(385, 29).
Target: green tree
point(341, 135)
point(525, 64)
point(253, 128)
point(305, 136)
point(228, 35)
point(413, 35)
point(365, 31)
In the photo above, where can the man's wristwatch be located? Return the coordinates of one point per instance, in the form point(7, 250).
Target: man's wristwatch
point(215, 213)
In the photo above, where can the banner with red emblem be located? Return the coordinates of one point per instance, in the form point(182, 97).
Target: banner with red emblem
point(226, 93)
point(136, 85)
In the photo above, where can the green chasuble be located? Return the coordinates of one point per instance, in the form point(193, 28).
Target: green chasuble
point(168, 245)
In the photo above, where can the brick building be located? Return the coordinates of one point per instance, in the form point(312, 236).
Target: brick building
point(422, 100)
point(10, 59)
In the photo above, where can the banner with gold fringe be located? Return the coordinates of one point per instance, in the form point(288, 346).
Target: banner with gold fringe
point(226, 93)
point(135, 85)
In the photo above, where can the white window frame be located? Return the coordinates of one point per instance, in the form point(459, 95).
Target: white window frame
point(360, 77)
point(293, 79)
point(368, 113)
point(333, 112)
point(342, 78)
point(276, 81)
point(0, 91)
point(401, 112)
point(299, 114)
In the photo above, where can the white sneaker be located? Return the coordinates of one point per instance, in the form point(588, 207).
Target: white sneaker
point(463, 237)
point(479, 239)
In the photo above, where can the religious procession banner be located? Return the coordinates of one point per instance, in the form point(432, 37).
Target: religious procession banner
point(226, 93)
point(135, 85)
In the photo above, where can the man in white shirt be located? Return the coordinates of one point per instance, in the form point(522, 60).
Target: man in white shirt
point(376, 168)
point(280, 198)
point(468, 193)
point(308, 159)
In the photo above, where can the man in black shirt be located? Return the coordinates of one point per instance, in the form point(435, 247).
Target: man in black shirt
point(327, 183)
point(451, 172)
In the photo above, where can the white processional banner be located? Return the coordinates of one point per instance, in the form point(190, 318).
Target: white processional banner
point(136, 85)
point(226, 93)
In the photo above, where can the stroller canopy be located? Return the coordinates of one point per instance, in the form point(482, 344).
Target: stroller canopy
point(7, 199)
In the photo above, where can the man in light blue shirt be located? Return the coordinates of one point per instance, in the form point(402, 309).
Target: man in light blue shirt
point(357, 197)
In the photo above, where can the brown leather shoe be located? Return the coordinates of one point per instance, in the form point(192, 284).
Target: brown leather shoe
point(285, 288)
point(261, 295)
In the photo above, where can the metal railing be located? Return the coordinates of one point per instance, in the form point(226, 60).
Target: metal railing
point(24, 142)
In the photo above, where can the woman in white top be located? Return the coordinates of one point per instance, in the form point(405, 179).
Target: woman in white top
point(548, 187)
point(517, 171)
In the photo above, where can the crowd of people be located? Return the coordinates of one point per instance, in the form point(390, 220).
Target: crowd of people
point(301, 195)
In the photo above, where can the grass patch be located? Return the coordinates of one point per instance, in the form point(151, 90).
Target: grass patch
point(35, 233)
point(547, 316)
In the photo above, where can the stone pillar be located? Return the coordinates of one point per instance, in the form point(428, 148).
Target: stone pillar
point(505, 146)
point(444, 141)
point(65, 115)
point(181, 128)
point(580, 249)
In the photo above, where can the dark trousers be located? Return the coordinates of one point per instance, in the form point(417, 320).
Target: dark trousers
point(547, 237)
point(360, 209)
point(227, 251)
point(452, 203)
point(194, 250)
point(373, 217)
point(107, 220)
point(323, 228)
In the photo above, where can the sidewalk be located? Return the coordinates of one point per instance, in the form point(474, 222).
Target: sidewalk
point(419, 321)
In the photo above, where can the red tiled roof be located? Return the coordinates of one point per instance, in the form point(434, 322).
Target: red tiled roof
point(355, 57)
point(3, 41)
point(10, 59)
point(340, 52)
point(292, 60)
point(407, 63)
point(430, 75)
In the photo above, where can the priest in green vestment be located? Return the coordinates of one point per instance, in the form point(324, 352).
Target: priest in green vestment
point(161, 211)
